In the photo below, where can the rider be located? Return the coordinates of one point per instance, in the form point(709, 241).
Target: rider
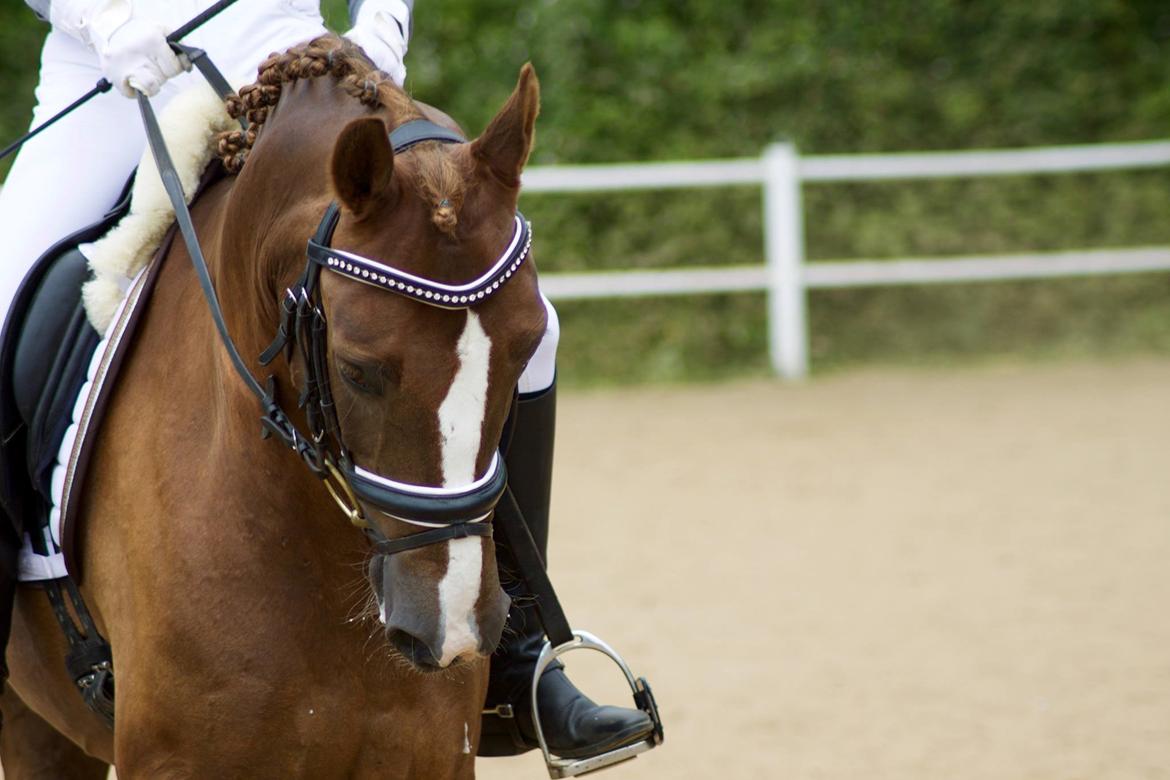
point(67, 178)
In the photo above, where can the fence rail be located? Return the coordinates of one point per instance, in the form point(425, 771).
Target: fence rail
point(828, 274)
point(786, 276)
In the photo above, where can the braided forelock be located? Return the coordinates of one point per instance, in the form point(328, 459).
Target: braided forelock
point(327, 55)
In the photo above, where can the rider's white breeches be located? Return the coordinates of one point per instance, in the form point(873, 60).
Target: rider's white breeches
point(68, 176)
point(542, 368)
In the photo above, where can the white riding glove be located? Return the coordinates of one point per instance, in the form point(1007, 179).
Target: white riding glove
point(133, 53)
point(382, 29)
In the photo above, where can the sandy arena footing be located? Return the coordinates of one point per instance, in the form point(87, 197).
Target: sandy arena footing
point(882, 574)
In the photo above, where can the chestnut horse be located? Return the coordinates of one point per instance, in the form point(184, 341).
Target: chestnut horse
point(254, 634)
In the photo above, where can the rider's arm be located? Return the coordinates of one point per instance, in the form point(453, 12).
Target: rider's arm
point(382, 28)
point(133, 53)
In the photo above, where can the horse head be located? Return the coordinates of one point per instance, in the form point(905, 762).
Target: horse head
point(422, 391)
point(419, 391)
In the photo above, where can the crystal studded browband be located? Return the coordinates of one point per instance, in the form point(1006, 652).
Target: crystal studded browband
point(428, 291)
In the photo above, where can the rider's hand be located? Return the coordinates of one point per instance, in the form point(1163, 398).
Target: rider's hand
point(133, 53)
point(382, 29)
point(137, 58)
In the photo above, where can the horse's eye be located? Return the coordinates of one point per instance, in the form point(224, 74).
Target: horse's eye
point(365, 379)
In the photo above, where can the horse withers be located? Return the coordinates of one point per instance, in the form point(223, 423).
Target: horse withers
point(254, 633)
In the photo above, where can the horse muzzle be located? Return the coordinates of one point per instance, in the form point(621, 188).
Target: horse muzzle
point(437, 625)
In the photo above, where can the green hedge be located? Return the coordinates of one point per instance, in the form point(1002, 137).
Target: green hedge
point(632, 80)
point(20, 41)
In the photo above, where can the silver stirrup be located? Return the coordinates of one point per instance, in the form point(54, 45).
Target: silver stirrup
point(643, 699)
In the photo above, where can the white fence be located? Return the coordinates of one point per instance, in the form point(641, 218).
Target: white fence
point(785, 274)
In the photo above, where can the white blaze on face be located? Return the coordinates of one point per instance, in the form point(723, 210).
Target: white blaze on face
point(460, 430)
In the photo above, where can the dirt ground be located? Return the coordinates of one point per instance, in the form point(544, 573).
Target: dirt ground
point(880, 575)
point(894, 574)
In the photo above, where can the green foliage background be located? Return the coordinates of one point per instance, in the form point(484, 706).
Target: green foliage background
point(632, 80)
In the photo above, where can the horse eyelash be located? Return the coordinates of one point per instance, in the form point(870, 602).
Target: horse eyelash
point(356, 377)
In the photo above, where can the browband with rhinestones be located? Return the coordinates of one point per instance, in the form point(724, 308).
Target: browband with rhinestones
point(428, 291)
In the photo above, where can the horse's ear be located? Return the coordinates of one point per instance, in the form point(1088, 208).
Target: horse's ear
point(505, 145)
point(362, 165)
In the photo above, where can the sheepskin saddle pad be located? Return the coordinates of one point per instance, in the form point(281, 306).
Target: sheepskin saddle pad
point(68, 330)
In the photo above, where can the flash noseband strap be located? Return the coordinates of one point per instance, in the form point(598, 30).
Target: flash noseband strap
point(458, 531)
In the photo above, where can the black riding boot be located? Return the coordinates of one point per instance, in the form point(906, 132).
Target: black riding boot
point(574, 726)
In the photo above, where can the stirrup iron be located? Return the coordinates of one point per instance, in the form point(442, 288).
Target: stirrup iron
point(643, 700)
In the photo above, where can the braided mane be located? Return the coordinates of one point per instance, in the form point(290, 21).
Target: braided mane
point(326, 55)
point(439, 182)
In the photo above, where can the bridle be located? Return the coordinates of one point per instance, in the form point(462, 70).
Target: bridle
point(447, 513)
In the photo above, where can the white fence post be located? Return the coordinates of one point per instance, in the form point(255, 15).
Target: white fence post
point(784, 250)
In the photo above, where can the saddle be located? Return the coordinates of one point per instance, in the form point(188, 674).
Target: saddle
point(45, 351)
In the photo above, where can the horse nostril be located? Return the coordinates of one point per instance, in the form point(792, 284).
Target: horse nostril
point(412, 648)
point(492, 621)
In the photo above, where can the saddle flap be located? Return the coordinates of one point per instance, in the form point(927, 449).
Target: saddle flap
point(53, 351)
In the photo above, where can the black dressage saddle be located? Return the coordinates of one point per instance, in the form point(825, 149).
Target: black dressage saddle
point(45, 351)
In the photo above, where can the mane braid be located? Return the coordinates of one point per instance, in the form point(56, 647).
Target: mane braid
point(328, 55)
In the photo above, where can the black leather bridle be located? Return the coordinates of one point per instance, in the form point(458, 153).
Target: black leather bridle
point(447, 513)
point(450, 513)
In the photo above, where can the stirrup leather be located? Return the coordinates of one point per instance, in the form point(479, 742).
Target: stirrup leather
point(643, 700)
